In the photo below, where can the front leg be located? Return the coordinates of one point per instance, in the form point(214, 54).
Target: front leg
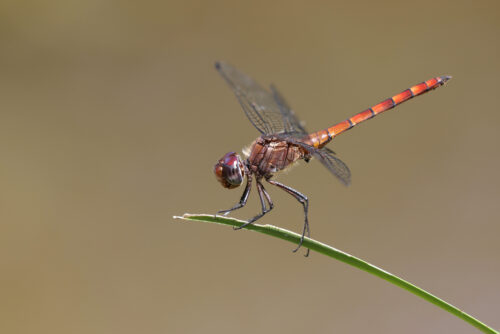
point(243, 200)
point(262, 193)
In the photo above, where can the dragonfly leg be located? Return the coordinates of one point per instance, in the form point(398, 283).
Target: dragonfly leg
point(305, 203)
point(263, 195)
point(243, 200)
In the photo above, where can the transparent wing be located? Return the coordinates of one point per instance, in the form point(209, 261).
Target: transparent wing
point(291, 123)
point(258, 104)
point(327, 157)
point(336, 166)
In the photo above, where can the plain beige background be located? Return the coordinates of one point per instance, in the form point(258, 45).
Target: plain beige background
point(112, 117)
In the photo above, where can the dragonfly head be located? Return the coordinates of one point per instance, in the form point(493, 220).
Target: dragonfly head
point(229, 170)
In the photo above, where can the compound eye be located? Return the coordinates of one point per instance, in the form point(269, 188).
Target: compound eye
point(229, 170)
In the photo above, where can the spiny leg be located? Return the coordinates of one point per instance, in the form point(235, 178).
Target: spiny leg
point(305, 203)
point(243, 200)
point(262, 193)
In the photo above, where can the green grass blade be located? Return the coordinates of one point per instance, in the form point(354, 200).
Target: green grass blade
point(346, 258)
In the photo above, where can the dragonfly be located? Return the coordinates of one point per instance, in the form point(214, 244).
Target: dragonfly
point(284, 140)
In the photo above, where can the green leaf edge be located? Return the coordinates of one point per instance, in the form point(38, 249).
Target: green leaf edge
point(337, 254)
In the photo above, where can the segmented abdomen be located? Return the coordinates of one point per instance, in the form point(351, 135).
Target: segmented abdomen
point(321, 138)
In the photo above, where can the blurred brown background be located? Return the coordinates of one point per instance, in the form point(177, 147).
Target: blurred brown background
point(112, 117)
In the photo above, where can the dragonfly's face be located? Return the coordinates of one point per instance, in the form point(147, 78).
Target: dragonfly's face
point(229, 170)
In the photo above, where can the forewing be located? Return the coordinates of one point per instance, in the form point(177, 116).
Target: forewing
point(259, 104)
point(291, 122)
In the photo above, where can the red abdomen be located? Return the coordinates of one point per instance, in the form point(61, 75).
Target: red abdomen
point(321, 138)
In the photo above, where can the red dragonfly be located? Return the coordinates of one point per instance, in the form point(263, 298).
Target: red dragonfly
point(284, 140)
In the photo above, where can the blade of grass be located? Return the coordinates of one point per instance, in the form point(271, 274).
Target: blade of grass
point(346, 258)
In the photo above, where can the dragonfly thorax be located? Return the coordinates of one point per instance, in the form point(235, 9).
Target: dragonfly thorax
point(271, 154)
